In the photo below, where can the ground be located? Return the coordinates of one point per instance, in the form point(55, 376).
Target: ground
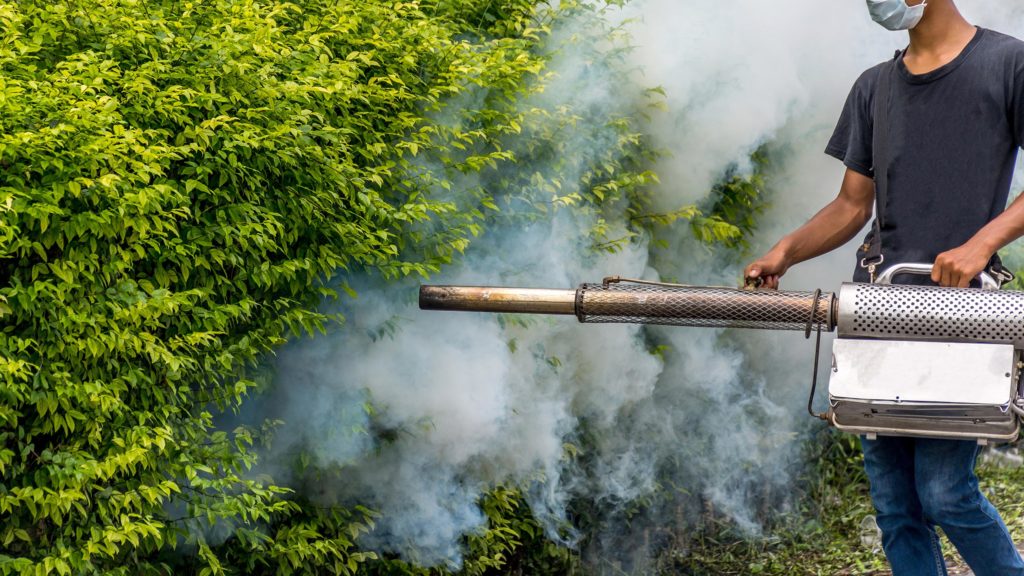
point(834, 536)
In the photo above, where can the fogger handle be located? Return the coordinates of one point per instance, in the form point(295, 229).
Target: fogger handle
point(921, 269)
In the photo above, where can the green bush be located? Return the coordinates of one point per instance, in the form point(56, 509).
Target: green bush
point(179, 183)
point(182, 184)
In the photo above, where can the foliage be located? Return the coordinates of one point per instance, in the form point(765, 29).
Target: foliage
point(573, 151)
point(1013, 259)
point(513, 544)
point(180, 183)
point(735, 204)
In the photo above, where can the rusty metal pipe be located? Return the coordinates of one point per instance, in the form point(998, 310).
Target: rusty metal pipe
point(495, 299)
point(644, 304)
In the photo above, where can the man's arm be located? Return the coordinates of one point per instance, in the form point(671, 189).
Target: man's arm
point(957, 267)
point(827, 230)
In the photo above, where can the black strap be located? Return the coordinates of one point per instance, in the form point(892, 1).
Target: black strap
point(880, 156)
point(1001, 273)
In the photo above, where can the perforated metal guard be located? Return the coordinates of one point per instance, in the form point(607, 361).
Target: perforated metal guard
point(702, 306)
point(931, 313)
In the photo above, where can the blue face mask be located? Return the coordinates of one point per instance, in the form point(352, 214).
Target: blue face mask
point(895, 14)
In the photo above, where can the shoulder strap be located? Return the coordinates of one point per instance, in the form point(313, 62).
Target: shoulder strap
point(880, 159)
point(880, 137)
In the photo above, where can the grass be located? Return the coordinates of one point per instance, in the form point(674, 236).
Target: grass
point(825, 538)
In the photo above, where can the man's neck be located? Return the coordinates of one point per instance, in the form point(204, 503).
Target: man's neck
point(942, 30)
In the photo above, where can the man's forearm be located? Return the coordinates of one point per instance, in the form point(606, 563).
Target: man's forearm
point(958, 266)
point(827, 230)
point(1004, 229)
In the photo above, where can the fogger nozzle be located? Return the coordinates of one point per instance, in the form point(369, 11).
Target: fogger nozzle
point(616, 301)
point(494, 299)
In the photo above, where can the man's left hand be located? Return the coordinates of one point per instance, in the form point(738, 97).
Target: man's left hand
point(957, 267)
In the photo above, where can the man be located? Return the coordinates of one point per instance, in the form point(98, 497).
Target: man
point(953, 123)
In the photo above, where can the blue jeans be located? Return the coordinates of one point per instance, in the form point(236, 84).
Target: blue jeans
point(917, 483)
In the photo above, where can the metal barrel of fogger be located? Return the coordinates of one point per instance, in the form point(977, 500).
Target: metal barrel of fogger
point(857, 311)
point(613, 302)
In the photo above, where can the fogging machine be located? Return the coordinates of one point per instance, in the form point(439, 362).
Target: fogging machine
point(907, 360)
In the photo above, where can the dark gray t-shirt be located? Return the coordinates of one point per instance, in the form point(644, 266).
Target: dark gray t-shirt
point(953, 140)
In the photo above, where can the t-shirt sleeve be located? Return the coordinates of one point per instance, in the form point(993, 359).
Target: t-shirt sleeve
point(851, 141)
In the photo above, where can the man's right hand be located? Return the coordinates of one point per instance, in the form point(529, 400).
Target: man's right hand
point(768, 269)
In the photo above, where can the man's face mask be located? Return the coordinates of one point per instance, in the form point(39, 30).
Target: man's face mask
point(895, 14)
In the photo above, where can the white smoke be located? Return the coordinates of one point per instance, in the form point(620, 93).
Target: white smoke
point(467, 401)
